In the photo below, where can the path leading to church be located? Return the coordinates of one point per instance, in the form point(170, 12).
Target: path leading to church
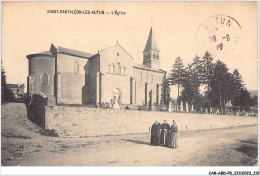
point(217, 147)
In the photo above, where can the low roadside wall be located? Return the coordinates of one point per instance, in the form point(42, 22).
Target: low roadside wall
point(84, 122)
point(36, 110)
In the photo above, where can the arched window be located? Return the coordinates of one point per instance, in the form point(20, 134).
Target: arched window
point(113, 68)
point(118, 68)
point(157, 94)
point(123, 70)
point(141, 77)
point(45, 79)
point(145, 94)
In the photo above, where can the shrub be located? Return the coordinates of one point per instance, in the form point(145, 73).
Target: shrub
point(143, 108)
point(105, 105)
point(163, 108)
point(140, 108)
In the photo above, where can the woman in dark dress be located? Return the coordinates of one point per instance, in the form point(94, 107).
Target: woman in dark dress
point(164, 134)
point(154, 134)
point(159, 131)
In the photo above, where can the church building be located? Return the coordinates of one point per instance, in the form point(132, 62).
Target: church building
point(68, 76)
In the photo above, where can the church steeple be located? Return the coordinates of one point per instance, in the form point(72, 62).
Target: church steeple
point(151, 43)
point(151, 52)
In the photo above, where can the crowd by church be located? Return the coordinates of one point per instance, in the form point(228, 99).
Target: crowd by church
point(164, 134)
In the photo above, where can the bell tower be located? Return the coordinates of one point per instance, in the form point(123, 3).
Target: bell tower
point(151, 53)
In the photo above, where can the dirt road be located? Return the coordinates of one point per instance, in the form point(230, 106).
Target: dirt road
point(23, 145)
point(222, 147)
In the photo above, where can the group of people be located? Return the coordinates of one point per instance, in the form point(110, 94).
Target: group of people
point(164, 134)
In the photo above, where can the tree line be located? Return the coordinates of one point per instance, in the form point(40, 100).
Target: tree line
point(6, 94)
point(221, 85)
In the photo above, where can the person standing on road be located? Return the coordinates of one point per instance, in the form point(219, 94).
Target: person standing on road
point(164, 135)
point(173, 135)
point(159, 131)
point(154, 134)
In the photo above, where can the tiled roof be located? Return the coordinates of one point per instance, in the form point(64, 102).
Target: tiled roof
point(46, 53)
point(147, 68)
point(74, 52)
point(64, 51)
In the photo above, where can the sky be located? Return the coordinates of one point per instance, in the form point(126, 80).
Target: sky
point(179, 28)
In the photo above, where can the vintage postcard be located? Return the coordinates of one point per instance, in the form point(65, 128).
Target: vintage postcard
point(130, 84)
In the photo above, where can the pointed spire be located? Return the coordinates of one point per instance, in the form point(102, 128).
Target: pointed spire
point(151, 43)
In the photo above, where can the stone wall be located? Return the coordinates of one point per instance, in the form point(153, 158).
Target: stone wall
point(41, 75)
point(94, 69)
point(113, 57)
point(71, 79)
point(83, 121)
point(152, 78)
point(111, 82)
point(36, 110)
point(116, 67)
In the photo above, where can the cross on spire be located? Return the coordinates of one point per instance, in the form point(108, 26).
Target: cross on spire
point(151, 21)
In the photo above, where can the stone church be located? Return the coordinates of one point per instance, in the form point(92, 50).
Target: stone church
point(68, 76)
